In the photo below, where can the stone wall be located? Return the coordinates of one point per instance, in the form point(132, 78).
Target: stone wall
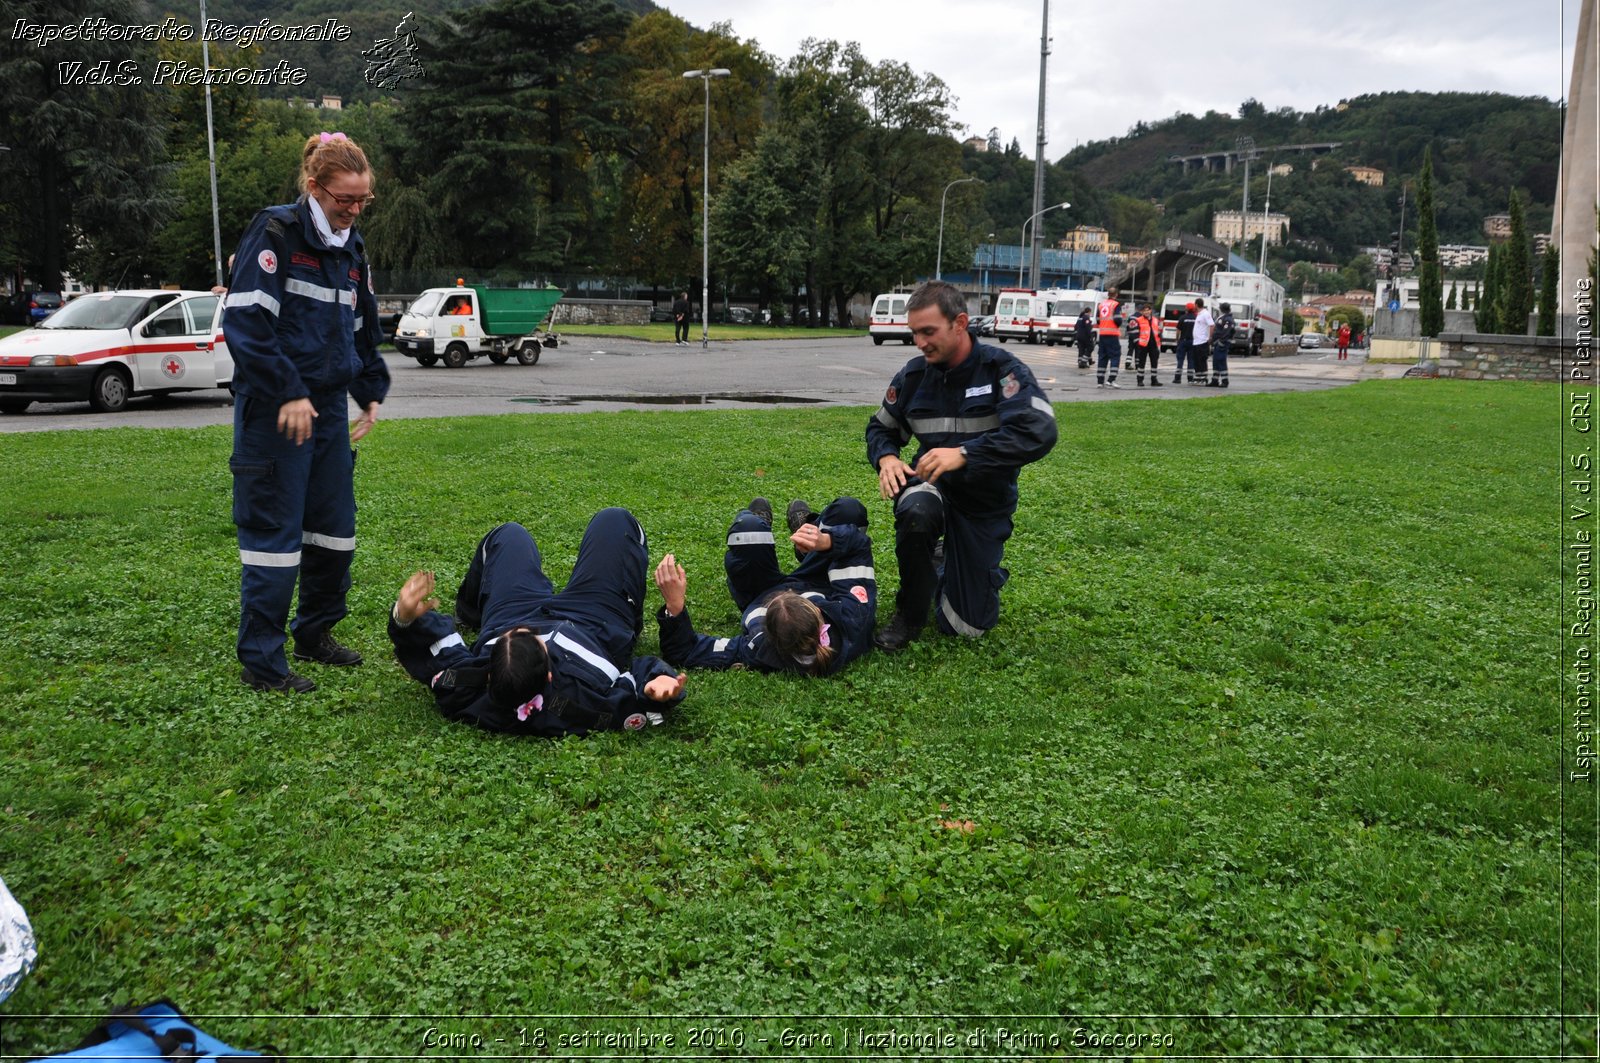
point(602, 312)
point(1472, 356)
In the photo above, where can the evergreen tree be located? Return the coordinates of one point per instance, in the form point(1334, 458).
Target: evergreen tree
point(1429, 294)
point(1514, 290)
point(1486, 318)
point(1450, 300)
point(1547, 292)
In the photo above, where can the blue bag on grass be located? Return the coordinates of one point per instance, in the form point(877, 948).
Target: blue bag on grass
point(155, 1031)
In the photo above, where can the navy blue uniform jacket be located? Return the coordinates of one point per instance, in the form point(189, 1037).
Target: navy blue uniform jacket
point(301, 320)
point(989, 404)
point(588, 692)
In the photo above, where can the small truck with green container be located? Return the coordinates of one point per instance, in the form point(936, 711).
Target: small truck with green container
point(456, 325)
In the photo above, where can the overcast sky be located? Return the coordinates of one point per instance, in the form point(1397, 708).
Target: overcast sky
point(1201, 56)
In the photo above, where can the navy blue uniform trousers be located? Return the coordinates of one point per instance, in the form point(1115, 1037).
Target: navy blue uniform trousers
point(295, 507)
point(752, 558)
point(505, 586)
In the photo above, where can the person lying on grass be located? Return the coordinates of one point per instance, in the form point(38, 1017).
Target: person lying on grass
point(545, 663)
point(813, 621)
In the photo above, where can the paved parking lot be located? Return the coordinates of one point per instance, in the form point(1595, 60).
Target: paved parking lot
point(597, 373)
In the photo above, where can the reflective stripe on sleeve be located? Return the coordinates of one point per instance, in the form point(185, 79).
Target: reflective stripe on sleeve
point(329, 542)
point(312, 291)
point(750, 538)
point(757, 613)
point(1043, 407)
point(266, 560)
point(888, 420)
point(361, 323)
point(594, 660)
point(836, 575)
point(719, 645)
point(236, 300)
point(926, 426)
point(452, 639)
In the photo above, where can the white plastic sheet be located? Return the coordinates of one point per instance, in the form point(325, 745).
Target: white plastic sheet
point(18, 953)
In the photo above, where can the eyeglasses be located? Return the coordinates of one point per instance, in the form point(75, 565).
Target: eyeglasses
point(346, 201)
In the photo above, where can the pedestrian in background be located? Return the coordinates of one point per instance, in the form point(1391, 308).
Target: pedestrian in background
point(1201, 346)
point(680, 317)
point(1185, 345)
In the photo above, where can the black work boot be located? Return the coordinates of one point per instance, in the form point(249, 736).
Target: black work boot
point(324, 649)
point(799, 512)
point(289, 684)
point(897, 634)
point(761, 508)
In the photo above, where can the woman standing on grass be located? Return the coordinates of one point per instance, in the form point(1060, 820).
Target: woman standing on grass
point(302, 324)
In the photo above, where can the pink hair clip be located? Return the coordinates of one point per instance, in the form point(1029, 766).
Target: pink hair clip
point(528, 708)
point(822, 638)
point(326, 137)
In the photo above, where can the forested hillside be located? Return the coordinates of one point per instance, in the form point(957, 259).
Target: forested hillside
point(1484, 145)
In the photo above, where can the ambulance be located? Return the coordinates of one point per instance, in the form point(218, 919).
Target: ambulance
point(1021, 314)
point(106, 347)
point(889, 320)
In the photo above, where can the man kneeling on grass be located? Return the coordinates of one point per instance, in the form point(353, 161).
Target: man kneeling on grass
point(813, 621)
point(545, 663)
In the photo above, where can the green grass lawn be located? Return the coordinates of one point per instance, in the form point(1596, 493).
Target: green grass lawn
point(1268, 734)
point(661, 332)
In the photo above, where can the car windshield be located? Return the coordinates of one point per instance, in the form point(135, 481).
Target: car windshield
point(102, 310)
point(426, 304)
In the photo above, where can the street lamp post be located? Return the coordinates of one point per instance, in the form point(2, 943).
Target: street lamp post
point(705, 208)
point(987, 266)
point(1024, 248)
point(938, 263)
point(211, 150)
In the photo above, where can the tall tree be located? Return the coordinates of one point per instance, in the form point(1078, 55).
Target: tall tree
point(1515, 291)
point(658, 225)
point(506, 134)
point(1430, 316)
point(1547, 291)
point(87, 180)
point(1487, 317)
point(763, 217)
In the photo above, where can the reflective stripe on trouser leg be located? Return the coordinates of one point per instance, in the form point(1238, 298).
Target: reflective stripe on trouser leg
point(919, 521)
point(507, 575)
point(1110, 357)
point(269, 489)
point(969, 588)
point(606, 591)
point(329, 522)
point(1219, 362)
point(751, 560)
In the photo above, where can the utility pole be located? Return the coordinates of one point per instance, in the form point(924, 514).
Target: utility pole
point(1038, 155)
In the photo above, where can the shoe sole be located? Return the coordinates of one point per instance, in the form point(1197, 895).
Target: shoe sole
point(332, 664)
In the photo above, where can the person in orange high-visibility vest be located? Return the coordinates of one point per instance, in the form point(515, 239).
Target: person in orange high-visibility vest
point(1108, 324)
point(1147, 346)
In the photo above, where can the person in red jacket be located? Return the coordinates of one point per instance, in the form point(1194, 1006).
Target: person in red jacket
point(1344, 341)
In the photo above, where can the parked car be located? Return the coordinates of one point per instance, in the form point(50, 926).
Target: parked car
point(981, 324)
point(106, 347)
point(740, 315)
point(660, 313)
point(1310, 341)
point(31, 306)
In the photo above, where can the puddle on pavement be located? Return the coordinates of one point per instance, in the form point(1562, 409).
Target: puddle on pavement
point(665, 400)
